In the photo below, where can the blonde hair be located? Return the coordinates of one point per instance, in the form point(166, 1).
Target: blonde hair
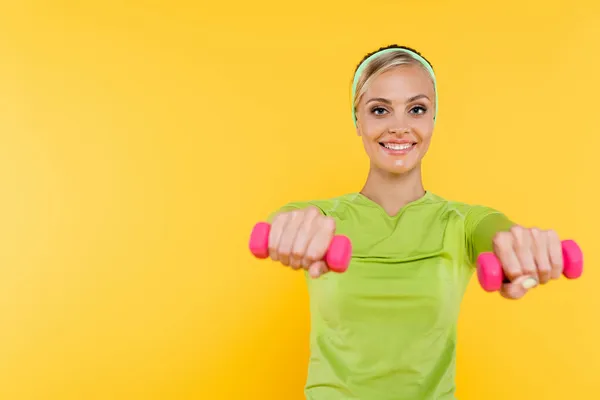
point(383, 62)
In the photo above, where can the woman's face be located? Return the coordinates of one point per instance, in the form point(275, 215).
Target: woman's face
point(395, 118)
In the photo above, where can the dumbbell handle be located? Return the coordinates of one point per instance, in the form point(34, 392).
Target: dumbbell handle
point(491, 275)
point(337, 256)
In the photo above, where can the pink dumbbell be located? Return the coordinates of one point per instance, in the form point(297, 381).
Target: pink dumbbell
point(491, 275)
point(337, 256)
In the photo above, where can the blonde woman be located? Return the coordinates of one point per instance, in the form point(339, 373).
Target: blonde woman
point(386, 328)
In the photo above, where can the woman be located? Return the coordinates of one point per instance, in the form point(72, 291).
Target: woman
point(386, 328)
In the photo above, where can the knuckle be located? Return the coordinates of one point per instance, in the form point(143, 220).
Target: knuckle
point(544, 268)
point(283, 251)
point(308, 260)
point(516, 229)
point(294, 214)
point(521, 235)
point(528, 266)
point(311, 211)
point(505, 235)
point(501, 238)
point(297, 253)
point(279, 219)
point(328, 223)
point(511, 273)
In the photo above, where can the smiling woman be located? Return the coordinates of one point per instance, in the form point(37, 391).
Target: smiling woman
point(394, 100)
point(386, 328)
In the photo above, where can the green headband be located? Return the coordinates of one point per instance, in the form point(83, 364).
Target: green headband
point(364, 64)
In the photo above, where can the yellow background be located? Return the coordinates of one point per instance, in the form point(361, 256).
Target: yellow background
point(141, 140)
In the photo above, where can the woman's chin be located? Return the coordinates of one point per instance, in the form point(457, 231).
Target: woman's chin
point(399, 167)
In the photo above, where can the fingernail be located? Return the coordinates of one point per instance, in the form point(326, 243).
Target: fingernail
point(529, 283)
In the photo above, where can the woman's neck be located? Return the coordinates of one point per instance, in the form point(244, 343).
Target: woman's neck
point(391, 191)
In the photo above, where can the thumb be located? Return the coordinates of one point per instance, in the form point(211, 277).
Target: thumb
point(519, 287)
point(317, 269)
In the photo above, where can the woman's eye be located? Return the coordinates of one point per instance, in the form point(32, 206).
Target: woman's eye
point(418, 110)
point(378, 110)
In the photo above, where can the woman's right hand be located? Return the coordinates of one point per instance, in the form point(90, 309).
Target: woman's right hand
point(300, 239)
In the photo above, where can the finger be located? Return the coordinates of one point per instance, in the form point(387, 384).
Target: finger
point(540, 254)
point(277, 227)
point(307, 262)
point(317, 269)
point(305, 230)
point(555, 254)
point(316, 226)
point(523, 248)
point(504, 250)
point(518, 288)
point(321, 239)
point(287, 237)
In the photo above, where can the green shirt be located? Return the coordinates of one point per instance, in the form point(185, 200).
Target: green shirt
point(386, 328)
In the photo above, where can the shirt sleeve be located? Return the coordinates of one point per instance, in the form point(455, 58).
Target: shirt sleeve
point(481, 225)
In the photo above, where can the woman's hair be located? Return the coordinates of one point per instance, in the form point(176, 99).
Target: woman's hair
point(382, 63)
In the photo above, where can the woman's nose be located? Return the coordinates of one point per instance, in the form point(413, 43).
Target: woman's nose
point(398, 125)
point(399, 130)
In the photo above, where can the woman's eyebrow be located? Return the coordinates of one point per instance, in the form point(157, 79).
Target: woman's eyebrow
point(386, 101)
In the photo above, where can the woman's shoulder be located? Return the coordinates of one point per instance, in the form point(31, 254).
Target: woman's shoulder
point(326, 205)
point(472, 213)
point(460, 205)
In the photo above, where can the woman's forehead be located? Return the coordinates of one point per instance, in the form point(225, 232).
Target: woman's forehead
point(401, 81)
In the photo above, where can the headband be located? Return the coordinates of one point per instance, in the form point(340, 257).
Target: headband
point(414, 55)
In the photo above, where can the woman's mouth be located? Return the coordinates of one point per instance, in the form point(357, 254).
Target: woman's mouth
point(397, 148)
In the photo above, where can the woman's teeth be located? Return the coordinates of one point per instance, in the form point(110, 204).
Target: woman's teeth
point(397, 146)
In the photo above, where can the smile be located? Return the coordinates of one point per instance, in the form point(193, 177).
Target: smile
point(397, 148)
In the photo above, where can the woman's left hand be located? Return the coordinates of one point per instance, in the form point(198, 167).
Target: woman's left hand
point(528, 256)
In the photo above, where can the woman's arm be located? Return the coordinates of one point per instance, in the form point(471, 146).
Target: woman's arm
point(482, 226)
point(528, 255)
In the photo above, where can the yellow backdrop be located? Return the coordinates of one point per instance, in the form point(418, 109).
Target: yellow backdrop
point(141, 140)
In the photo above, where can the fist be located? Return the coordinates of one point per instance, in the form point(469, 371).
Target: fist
point(528, 256)
point(300, 239)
